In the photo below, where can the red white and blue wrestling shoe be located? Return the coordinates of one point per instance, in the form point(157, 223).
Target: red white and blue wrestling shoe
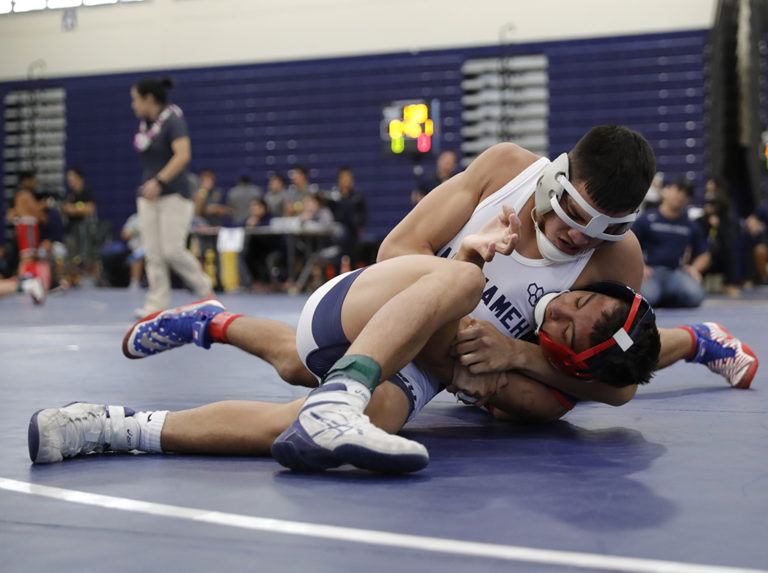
point(167, 329)
point(331, 430)
point(723, 353)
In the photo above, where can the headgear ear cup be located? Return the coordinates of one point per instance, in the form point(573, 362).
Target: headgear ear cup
point(548, 185)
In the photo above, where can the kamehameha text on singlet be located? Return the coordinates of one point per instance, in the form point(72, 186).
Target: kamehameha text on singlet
point(511, 318)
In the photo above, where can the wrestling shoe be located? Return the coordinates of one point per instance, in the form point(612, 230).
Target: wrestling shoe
point(331, 430)
point(723, 353)
point(76, 429)
point(167, 329)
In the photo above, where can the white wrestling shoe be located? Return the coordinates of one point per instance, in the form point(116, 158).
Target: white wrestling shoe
point(723, 353)
point(79, 428)
point(331, 430)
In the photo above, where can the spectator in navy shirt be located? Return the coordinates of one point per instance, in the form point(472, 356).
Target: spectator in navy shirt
point(349, 210)
point(674, 249)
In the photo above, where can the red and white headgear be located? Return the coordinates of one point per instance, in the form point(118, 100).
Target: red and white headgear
point(584, 364)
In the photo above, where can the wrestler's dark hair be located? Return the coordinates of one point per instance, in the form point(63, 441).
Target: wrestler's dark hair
point(617, 166)
point(638, 364)
point(156, 87)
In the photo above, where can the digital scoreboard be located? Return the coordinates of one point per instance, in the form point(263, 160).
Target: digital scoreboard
point(409, 126)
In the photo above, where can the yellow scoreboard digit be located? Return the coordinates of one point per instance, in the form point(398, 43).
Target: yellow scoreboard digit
point(409, 126)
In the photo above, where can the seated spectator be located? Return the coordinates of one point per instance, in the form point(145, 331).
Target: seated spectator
point(79, 210)
point(12, 284)
point(39, 230)
point(721, 231)
point(757, 231)
point(299, 189)
point(674, 249)
point(209, 201)
point(350, 211)
point(132, 237)
point(446, 167)
point(240, 196)
point(316, 213)
point(32, 286)
point(256, 260)
point(275, 195)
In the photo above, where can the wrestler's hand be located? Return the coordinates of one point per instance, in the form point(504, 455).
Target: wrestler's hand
point(481, 387)
point(481, 348)
point(500, 235)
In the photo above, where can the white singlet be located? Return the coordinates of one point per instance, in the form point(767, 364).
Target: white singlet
point(515, 283)
point(513, 286)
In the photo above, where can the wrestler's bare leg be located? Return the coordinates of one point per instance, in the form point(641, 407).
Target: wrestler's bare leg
point(245, 428)
point(273, 342)
point(675, 346)
point(427, 291)
point(394, 307)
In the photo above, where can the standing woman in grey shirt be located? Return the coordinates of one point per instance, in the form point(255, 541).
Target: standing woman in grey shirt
point(164, 200)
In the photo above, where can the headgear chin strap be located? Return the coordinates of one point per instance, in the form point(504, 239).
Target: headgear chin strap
point(555, 182)
point(584, 364)
point(548, 249)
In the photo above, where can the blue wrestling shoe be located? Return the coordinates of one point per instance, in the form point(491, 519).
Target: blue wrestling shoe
point(723, 353)
point(167, 329)
point(331, 430)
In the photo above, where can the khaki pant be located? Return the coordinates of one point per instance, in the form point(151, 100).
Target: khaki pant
point(164, 226)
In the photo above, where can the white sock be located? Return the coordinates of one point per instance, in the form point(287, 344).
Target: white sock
point(151, 426)
point(122, 432)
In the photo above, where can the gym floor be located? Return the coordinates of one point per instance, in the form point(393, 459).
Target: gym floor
point(677, 480)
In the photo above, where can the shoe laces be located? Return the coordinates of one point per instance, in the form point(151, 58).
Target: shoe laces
point(85, 433)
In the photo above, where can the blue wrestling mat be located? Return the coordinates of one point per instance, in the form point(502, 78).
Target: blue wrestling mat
point(678, 475)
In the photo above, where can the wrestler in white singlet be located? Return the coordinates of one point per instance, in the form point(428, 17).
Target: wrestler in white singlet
point(514, 285)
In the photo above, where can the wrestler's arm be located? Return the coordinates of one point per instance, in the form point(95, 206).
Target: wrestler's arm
point(440, 216)
point(509, 395)
point(522, 360)
point(520, 399)
point(528, 359)
point(482, 348)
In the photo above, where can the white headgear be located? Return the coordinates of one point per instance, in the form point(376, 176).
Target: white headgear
point(554, 182)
